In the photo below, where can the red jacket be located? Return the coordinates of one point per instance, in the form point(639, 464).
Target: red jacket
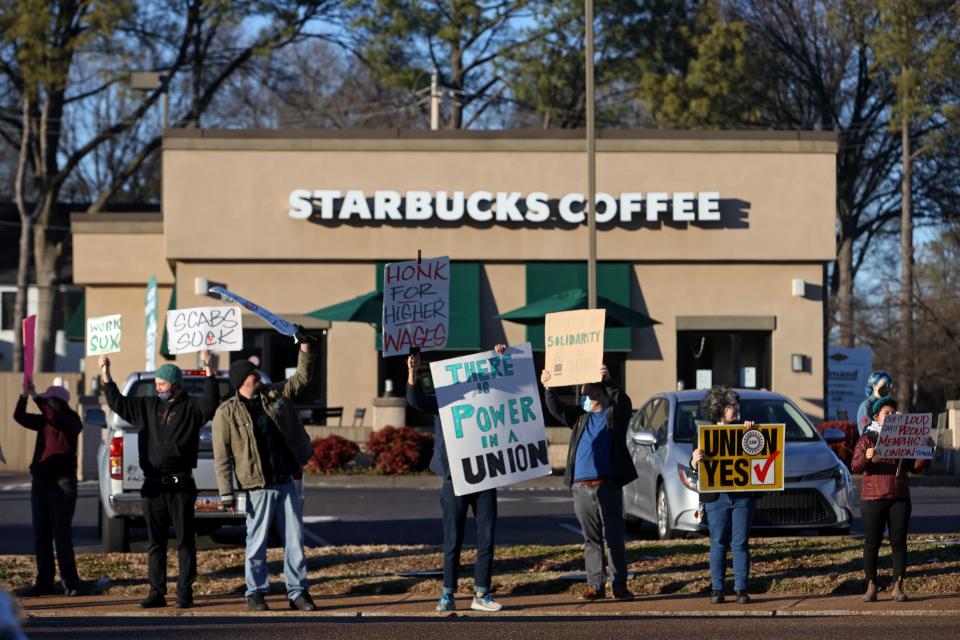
point(880, 478)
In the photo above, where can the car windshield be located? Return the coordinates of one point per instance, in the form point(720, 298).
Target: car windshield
point(761, 410)
point(192, 384)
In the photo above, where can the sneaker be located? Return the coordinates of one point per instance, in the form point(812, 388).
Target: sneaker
point(303, 602)
point(716, 597)
point(154, 600)
point(623, 595)
point(743, 597)
point(255, 602)
point(485, 602)
point(592, 593)
point(446, 604)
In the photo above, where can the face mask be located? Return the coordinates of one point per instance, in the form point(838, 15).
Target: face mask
point(883, 391)
point(586, 403)
point(874, 426)
point(165, 395)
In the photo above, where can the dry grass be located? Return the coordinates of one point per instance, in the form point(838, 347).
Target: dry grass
point(795, 566)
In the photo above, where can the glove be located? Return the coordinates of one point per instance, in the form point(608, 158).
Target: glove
point(301, 335)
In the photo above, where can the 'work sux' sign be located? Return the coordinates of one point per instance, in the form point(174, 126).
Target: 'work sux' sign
point(741, 458)
point(491, 418)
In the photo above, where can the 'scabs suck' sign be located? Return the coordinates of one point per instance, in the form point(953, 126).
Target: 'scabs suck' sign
point(740, 458)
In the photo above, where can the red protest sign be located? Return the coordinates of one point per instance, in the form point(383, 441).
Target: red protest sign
point(29, 348)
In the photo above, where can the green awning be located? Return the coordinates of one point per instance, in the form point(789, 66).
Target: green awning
point(546, 279)
point(77, 326)
point(617, 314)
point(366, 308)
point(464, 306)
point(164, 348)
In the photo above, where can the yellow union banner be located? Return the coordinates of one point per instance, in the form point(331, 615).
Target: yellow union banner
point(738, 458)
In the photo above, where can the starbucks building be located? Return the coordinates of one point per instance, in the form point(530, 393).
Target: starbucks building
point(722, 238)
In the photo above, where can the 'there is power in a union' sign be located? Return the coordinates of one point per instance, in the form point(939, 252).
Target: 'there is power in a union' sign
point(741, 458)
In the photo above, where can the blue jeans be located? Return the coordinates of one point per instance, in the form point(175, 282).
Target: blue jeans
point(278, 503)
point(455, 508)
point(729, 518)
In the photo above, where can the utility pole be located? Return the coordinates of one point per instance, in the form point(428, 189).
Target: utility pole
point(434, 102)
point(591, 167)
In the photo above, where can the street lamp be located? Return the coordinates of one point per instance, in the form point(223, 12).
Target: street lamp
point(151, 81)
point(591, 166)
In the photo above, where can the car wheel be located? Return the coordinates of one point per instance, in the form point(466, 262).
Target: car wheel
point(664, 531)
point(114, 533)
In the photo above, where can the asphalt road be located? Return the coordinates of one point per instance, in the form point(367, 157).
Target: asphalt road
point(411, 516)
point(546, 628)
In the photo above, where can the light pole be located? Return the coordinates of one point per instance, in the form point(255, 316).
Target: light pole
point(591, 167)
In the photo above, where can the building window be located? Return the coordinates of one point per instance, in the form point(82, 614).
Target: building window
point(733, 358)
point(7, 301)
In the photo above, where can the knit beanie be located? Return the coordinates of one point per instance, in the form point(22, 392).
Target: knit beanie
point(239, 370)
point(880, 403)
point(171, 373)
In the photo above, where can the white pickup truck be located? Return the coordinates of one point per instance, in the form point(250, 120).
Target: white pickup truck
point(118, 462)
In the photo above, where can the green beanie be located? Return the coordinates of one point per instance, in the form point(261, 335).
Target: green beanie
point(171, 373)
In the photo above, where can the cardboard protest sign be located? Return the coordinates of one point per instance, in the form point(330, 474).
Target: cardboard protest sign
point(150, 325)
point(29, 348)
point(574, 346)
point(416, 305)
point(198, 328)
point(905, 435)
point(737, 458)
point(491, 418)
point(103, 335)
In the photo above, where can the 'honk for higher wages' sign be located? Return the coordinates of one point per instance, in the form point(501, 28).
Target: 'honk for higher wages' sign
point(741, 458)
point(416, 305)
point(574, 346)
point(491, 418)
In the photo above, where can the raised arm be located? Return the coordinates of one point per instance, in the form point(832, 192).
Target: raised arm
point(299, 381)
point(210, 399)
point(566, 414)
point(415, 397)
point(622, 405)
point(130, 409)
point(32, 421)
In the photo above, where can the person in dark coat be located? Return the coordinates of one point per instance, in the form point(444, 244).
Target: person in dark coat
point(884, 501)
point(168, 443)
point(53, 489)
point(455, 508)
point(598, 467)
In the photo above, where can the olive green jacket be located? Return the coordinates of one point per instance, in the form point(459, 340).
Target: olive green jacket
point(234, 445)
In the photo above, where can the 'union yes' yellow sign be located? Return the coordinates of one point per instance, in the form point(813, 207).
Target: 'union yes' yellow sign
point(738, 458)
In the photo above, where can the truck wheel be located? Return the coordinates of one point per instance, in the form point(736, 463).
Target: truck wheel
point(114, 532)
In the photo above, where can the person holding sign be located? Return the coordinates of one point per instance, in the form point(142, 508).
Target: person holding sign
point(884, 501)
point(879, 385)
point(53, 489)
point(598, 466)
point(454, 508)
point(168, 444)
point(729, 514)
point(258, 436)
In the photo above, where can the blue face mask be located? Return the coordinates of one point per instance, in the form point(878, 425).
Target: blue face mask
point(165, 395)
point(586, 403)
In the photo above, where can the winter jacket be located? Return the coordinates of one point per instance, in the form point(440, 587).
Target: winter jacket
point(57, 427)
point(617, 416)
point(881, 479)
point(169, 437)
point(234, 441)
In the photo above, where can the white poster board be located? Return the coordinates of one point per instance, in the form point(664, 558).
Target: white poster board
point(574, 346)
point(416, 305)
point(103, 335)
point(492, 419)
point(905, 435)
point(198, 328)
point(847, 374)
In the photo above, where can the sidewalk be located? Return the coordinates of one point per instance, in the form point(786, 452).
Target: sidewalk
point(418, 606)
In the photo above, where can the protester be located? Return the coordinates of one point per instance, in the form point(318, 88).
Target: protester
point(729, 514)
point(884, 501)
point(598, 466)
point(257, 435)
point(879, 385)
point(454, 509)
point(53, 490)
point(168, 444)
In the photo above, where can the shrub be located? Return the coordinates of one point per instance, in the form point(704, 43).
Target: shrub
point(331, 453)
point(402, 450)
point(844, 450)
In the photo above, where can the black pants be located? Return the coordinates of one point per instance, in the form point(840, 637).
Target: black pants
point(52, 502)
point(895, 516)
point(166, 506)
point(454, 509)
